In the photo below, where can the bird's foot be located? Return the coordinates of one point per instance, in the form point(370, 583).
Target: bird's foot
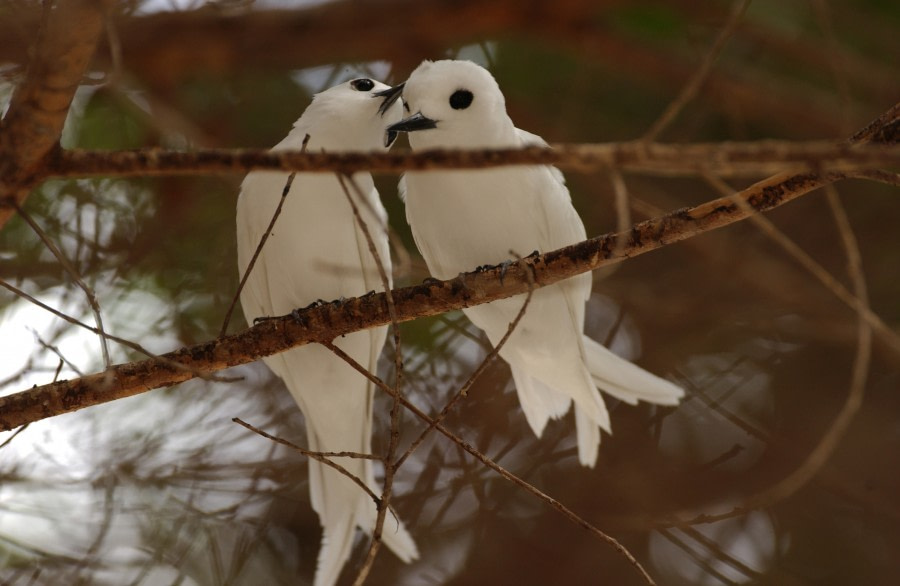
point(504, 266)
point(316, 303)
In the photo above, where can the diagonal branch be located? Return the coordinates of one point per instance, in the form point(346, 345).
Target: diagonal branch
point(324, 323)
point(723, 159)
point(689, 92)
point(33, 124)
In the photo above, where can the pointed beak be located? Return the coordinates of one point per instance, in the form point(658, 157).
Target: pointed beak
point(389, 137)
point(417, 121)
point(390, 95)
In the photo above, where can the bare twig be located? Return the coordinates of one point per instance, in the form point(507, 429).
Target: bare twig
point(623, 213)
point(836, 61)
point(689, 159)
point(464, 389)
point(503, 472)
point(127, 343)
point(55, 350)
point(390, 469)
point(829, 442)
point(886, 177)
point(323, 457)
point(76, 277)
point(259, 247)
point(325, 322)
point(37, 111)
point(693, 85)
point(814, 268)
point(13, 436)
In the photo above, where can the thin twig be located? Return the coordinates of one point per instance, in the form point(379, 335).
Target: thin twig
point(555, 504)
point(710, 569)
point(115, 45)
point(836, 61)
point(55, 350)
point(717, 548)
point(259, 247)
point(464, 389)
point(323, 457)
point(693, 85)
point(686, 159)
point(13, 436)
point(879, 175)
point(325, 322)
point(623, 214)
point(37, 110)
point(829, 442)
point(813, 267)
point(389, 468)
point(205, 375)
point(76, 277)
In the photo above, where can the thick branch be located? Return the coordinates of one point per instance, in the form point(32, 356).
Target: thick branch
point(164, 48)
point(723, 159)
point(326, 322)
point(38, 109)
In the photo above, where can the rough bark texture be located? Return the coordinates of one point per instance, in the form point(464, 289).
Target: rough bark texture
point(33, 124)
point(326, 322)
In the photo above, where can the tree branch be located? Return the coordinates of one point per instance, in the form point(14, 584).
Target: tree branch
point(324, 323)
point(37, 111)
point(723, 159)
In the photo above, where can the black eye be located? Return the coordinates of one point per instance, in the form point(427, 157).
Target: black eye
point(461, 99)
point(362, 85)
point(406, 105)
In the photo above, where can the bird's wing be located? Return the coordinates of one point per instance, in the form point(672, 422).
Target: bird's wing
point(256, 204)
point(561, 223)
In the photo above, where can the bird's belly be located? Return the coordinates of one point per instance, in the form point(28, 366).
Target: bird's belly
point(464, 220)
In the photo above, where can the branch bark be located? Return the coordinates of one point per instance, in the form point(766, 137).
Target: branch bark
point(325, 322)
point(723, 159)
point(37, 111)
point(164, 48)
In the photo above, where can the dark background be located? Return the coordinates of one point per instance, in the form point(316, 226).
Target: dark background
point(164, 489)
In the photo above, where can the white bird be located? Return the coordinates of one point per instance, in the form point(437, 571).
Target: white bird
point(461, 219)
point(318, 251)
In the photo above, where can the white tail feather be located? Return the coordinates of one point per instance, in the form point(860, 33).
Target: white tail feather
point(539, 402)
point(348, 507)
point(588, 433)
point(627, 381)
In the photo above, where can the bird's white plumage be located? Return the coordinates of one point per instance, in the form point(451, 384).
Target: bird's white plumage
point(318, 251)
point(464, 218)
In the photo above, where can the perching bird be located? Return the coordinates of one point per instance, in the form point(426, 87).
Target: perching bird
point(461, 219)
point(318, 251)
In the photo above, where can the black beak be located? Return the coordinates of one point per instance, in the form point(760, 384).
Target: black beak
point(389, 137)
point(417, 121)
point(390, 95)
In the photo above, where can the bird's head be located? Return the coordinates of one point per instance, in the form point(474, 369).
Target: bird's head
point(454, 104)
point(349, 116)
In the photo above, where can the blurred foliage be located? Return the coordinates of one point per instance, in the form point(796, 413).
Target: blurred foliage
point(164, 489)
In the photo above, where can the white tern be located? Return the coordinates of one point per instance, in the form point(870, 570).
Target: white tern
point(464, 218)
point(318, 251)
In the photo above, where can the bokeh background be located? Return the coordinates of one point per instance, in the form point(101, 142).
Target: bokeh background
point(163, 488)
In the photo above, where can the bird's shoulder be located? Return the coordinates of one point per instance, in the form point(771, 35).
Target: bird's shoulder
point(530, 139)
